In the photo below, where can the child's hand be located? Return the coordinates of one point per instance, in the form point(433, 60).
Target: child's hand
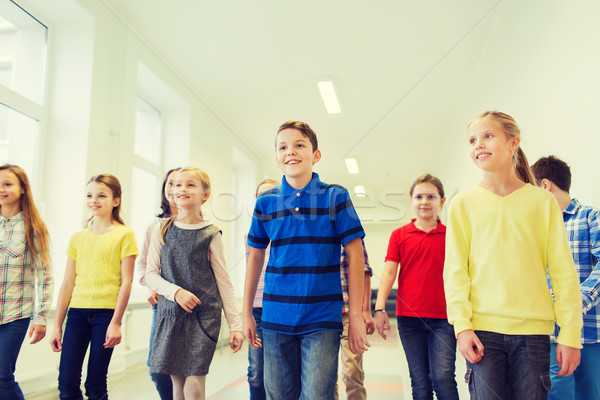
point(153, 298)
point(357, 336)
point(56, 340)
point(113, 336)
point(187, 300)
point(567, 358)
point(382, 324)
point(235, 340)
point(470, 346)
point(250, 332)
point(37, 333)
point(369, 324)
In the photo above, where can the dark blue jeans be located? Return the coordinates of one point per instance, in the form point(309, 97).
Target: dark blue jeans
point(256, 363)
point(301, 367)
point(515, 367)
point(11, 339)
point(430, 349)
point(163, 383)
point(85, 326)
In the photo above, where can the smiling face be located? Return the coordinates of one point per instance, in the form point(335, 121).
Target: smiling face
point(426, 201)
point(169, 185)
point(189, 192)
point(489, 147)
point(10, 189)
point(100, 200)
point(295, 156)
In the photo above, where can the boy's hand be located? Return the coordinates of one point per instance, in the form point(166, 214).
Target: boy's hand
point(357, 336)
point(369, 324)
point(470, 346)
point(153, 298)
point(187, 300)
point(236, 339)
point(567, 358)
point(56, 340)
point(113, 336)
point(37, 333)
point(382, 324)
point(250, 332)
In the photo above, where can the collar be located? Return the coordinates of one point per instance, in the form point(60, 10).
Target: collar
point(311, 188)
point(12, 220)
point(438, 229)
point(573, 207)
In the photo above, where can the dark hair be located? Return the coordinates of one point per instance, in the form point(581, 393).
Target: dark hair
point(428, 178)
point(303, 127)
point(266, 181)
point(555, 170)
point(115, 187)
point(165, 207)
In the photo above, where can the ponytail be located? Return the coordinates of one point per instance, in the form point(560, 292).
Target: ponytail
point(521, 166)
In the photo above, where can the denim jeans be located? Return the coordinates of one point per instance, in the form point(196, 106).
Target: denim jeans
point(430, 349)
point(256, 363)
point(11, 339)
point(515, 367)
point(301, 367)
point(584, 383)
point(85, 326)
point(163, 383)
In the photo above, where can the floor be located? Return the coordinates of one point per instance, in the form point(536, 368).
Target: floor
point(386, 375)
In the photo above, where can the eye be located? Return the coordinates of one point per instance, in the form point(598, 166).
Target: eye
point(300, 145)
point(178, 185)
point(192, 185)
point(418, 197)
point(89, 196)
point(102, 196)
point(488, 135)
point(471, 141)
point(432, 197)
point(281, 148)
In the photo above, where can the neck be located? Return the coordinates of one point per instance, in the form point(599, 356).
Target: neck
point(426, 224)
point(173, 210)
point(189, 217)
point(563, 198)
point(102, 224)
point(502, 182)
point(298, 182)
point(10, 211)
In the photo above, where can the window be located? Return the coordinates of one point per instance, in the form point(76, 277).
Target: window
point(147, 139)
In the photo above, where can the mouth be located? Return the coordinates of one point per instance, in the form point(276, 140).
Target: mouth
point(292, 162)
point(183, 196)
point(482, 156)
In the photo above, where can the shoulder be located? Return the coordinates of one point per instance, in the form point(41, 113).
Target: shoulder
point(80, 235)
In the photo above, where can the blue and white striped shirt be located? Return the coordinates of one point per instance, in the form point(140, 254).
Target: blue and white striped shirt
point(306, 228)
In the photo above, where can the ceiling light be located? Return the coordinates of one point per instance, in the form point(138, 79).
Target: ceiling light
point(359, 191)
point(329, 97)
point(352, 165)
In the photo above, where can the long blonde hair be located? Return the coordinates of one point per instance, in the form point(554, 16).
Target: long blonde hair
point(35, 228)
point(204, 179)
point(511, 129)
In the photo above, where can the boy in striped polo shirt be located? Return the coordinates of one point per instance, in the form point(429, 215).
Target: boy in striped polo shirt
point(305, 221)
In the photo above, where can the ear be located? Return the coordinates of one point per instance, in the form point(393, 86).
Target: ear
point(316, 156)
point(116, 201)
point(547, 184)
point(514, 143)
point(442, 202)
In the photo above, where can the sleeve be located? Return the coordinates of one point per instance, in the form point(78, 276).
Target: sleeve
point(154, 281)
point(44, 289)
point(128, 244)
point(346, 221)
point(393, 251)
point(258, 237)
point(73, 245)
point(590, 288)
point(216, 254)
point(457, 281)
point(142, 259)
point(565, 282)
point(368, 269)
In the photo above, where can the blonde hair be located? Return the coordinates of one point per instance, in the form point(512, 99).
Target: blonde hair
point(267, 181)
point(114, 185)
point(35, 228)
point(511, 129)
point(204, 180)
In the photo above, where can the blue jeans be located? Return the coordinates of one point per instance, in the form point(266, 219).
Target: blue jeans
point(85, 326)
point(301, 367)
point(11, 339)
point(430, 349)
point(163, 383)
point(584, 383)
point(515, 367)
point(256, 363)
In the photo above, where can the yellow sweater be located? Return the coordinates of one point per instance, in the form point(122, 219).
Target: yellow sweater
point(498, 253)
point(98, 266)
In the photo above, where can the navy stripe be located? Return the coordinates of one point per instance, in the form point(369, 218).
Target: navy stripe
point(350, 232)
point(343, 206)
point(331, 186)
point(305, 240)
point(258, 240)
point(322, 325)
point(323, 269)
point(302, 299)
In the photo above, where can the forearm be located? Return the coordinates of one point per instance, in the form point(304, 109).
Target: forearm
point(356, 277)
point(256, 259)
point(367, 294)
point(122, 301)
point(385, 284)
point(590, 290)
point(62, 304)
point(44, 290)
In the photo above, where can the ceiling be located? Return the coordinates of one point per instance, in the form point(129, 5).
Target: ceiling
point(396, 67)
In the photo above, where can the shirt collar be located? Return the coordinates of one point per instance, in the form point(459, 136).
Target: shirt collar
point(438, 229)
point(311, 188)
point(13, 219)
point(572, 207)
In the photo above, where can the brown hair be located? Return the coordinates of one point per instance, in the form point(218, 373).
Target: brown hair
point(428, 178)
point(554, 169)
point(165, 207)
point(511, 129)
point(266, 181)
point(114, 185)
point(303, 127)
point(35, 228)
point(204, 179)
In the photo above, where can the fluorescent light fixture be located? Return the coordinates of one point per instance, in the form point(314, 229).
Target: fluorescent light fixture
point(352, 165)
point(329, 97)
point(359, 191)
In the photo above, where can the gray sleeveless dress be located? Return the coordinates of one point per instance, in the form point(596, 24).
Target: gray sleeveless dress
point(184, 343)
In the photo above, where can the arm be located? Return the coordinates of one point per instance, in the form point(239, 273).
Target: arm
point(45, 287)
point(153, 278)
point(590, 288)
point(256, 259)
point(366, 308)
point(113, 333)
point(64, 298)
point(142, 262)
point(357, 335)
point(390, 271)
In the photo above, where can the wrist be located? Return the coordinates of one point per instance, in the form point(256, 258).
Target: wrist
point(379, 310)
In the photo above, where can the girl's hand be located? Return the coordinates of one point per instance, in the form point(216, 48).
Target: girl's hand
point(186, 300)
point(250, 332)
point(153, 298)
point(382, 323)
point(567, 358)
point(470, 346)
point(369, 324)
point(235, 340)
point(56, 340)
point(113, 336)
point(37, 333)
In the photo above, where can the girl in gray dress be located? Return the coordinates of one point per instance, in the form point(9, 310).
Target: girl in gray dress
point(186, 267)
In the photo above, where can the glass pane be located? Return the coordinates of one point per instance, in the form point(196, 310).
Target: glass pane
point(18, 139)
point(147, 131)
point(145, 198)
point(22, 51)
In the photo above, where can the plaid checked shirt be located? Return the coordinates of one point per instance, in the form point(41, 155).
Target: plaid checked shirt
point(344, 274)
point(583, 231)
point(19, 272)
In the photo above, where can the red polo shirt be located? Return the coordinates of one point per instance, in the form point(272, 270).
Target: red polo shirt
point(420, 282)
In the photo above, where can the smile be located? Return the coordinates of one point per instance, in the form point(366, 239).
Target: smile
point(292, 162)
point(481, 156)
